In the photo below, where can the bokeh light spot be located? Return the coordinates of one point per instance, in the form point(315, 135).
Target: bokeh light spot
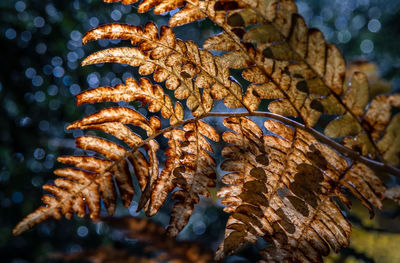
point(39, 153)
point(39, 21)
point(41, 48)
point(199, 228)
point(116, 15)
point(20, 6)
point(367, 46)
point(37, 81)
point(344, 36)
point(75, 89)
point(10, 33)
point(30, 72)
point(374, 25)
point(40, 96)
point(52, 90)
point(93, 21)
point(82, 231)
point(76, 35)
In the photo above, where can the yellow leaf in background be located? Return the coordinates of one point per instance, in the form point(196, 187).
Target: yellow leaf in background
point(389, 146)
point(377, 85)
point(380, 246)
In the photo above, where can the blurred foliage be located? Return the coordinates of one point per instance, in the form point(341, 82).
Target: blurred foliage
point(41, 51)
point(369, 246)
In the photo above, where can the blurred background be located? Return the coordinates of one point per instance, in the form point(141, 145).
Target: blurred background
point(41, 51)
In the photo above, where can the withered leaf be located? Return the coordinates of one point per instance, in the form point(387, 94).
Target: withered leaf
point(279, 185)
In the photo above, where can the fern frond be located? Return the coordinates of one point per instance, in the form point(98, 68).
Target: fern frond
point(190, 167)
point(191, 10)
point(377, 85)
point(313, 85)
point(78, 188)
point(281, 188)
point(377, 127)
point(144, 91)
point(304, 72)
point(280, 183)
point(281, 38)
point(184, 67)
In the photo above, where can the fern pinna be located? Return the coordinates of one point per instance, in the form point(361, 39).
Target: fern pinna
point(281, 180)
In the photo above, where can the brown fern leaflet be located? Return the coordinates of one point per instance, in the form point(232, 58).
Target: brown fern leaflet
point(280, 179)
point(281, 189)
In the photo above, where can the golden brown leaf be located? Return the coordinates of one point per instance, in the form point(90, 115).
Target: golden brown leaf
point(280, 188)
point(389, 145)
point(75, 189)
point(115, 114)
point(357, 96)
point(165, 183)
point(276, 47)
point(144, 91)
point(379, 135)
point(181, 64)
point(125, 2)
point(377, 86)
point(190, 167)
point(280, 184)
point(343, 126)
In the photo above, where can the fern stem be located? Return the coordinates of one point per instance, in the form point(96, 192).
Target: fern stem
point(375, 165)
point(378, 166)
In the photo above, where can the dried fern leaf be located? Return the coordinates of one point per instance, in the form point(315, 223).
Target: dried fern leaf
point(165, 183)
point(306, 75)
point(184, 67)
point(191, 10)
point(280, 185)
point(196, 176)
point(189, 166)
point(280, 188)
point(144, 91)
point(125, 2)
point(377, 86)
point(152, 174)
point(116, 114)
point(311, 86)
point(279, 37)
point(389, 145)
point(92, 179)
point(379, 135)
point(307, 88)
